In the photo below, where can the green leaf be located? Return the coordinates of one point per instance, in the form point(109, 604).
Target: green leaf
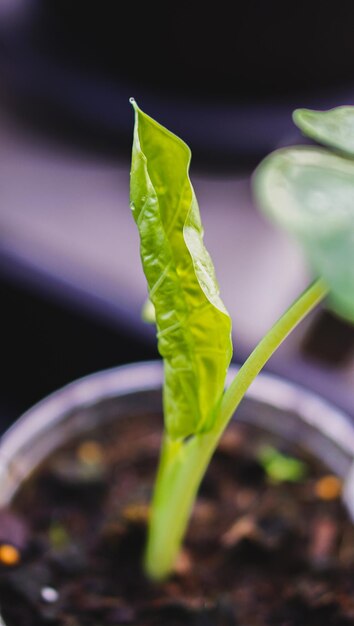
point(310, 193)
point(281, 467)
point(148, 312)
point(193, 326)
point(334, 128)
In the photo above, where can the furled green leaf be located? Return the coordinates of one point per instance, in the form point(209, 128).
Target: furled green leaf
point(334, 128)
point(193, 326)
point(310, 192)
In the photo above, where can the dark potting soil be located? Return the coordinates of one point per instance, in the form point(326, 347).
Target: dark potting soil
point(259, 551)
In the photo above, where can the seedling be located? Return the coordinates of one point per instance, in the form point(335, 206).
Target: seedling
point(308, 190)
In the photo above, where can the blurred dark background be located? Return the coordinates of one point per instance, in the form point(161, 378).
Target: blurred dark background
point(226, 80)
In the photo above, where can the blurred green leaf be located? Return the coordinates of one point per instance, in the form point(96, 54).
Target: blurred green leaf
point(148, 312)
point(310, 193)
point(333, 128)
point(281, 467)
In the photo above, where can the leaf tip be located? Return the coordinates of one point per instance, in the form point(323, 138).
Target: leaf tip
point(301, 115)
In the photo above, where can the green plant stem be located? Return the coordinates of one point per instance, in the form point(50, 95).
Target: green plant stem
point(184, 463)
point(307, 301)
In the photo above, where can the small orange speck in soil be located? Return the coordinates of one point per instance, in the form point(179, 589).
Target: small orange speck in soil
point(90, 452)
point(328, 487)
point(136, 513)
point(183, 563)
point(9, 555)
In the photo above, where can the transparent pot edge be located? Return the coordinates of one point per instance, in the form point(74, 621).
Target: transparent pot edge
point(270, 389)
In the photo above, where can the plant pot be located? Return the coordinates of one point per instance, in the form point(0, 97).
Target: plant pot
point(282, 413)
